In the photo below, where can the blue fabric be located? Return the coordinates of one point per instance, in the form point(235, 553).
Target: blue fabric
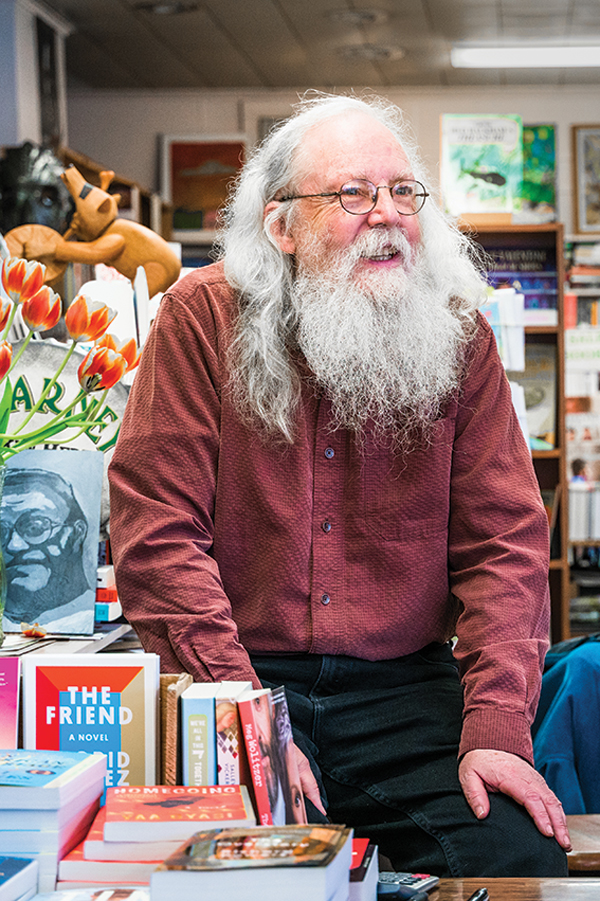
point(566, 732)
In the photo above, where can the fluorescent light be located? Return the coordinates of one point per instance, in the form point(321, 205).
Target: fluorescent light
point(524, 57)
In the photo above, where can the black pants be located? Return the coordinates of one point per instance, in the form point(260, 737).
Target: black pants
point(382, 740)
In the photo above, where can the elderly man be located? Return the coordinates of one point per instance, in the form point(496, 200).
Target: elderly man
point(320, 481)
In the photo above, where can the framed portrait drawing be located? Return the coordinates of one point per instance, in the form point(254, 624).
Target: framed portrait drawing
point(586, 177)
point(50, 517)
point(196, 173)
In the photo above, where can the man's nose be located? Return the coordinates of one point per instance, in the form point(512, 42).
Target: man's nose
point(384, 212)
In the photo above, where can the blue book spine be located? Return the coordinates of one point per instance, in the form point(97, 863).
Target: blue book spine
point(198, 735)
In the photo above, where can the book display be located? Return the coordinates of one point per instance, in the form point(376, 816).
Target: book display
point(544, 344)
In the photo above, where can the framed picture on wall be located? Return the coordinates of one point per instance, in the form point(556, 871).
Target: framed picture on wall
point(586, 177)
point(196, 173)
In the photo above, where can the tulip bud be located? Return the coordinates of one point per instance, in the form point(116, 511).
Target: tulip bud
point(87, 319)
point(22, 278)
point(102, 368)
point(42, 311)
point(127, 349)
point(5, 357)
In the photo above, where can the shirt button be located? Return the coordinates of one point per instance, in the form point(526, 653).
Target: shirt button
point(326, 526)
point(329, 453)
point(325, 599)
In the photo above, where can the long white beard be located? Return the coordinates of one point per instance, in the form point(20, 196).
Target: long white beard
point(386, 347)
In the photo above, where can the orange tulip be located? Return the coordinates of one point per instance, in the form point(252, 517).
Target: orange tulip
point(22, 278)
point(127, 349)
point(87, 319)
point(102, 368)
point(6, 308)
point(42, 311)
point(5, 357)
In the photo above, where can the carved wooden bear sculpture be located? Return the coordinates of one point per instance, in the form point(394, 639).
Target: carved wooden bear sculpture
point(102, 238)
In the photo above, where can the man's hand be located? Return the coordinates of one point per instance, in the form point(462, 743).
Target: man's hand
point(308, 782)
point(498, 771)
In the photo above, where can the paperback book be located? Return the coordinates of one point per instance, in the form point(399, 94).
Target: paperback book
point(15, 838)
point(75, 866)
point(232, 762)
point(173, 813)
point(539, 383)
point(18, 876)
point(93, 702)
point(364, 870)
point(95, 846)
point(271, 755)
point(260, 864)
point(10, 679)
point(41, 780)
point(198, 732)
point(96, 893)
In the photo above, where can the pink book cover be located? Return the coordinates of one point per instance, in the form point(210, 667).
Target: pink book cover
point(10, 673)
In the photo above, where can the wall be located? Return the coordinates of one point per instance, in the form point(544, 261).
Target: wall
point(121, 129)
point(20, 103)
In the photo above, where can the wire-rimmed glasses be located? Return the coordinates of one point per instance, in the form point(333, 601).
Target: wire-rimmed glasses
point(359, 196)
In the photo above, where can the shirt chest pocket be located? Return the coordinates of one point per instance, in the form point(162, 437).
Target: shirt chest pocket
point(408, 499)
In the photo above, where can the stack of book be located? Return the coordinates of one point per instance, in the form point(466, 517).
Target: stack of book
point(266, 863)
point(108, 606)
point(18, 878)
point(533, 272)
point(48, 799)
point(139, 827)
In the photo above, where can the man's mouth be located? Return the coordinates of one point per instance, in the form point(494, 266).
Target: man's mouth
point(382, 257)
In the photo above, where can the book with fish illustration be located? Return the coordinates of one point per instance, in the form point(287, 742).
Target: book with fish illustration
point(481, 163)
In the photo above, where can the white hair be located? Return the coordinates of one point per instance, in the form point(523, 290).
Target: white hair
point(264, 380)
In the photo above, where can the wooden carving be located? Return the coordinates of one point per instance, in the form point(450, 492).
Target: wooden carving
point(101, 237)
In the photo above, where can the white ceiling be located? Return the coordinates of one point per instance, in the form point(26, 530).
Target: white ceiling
point(302, 43)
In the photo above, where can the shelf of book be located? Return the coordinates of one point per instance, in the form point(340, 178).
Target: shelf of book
point(517, 254)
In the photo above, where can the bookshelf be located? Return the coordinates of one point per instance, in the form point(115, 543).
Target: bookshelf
point(542, 246)
point(582, 422)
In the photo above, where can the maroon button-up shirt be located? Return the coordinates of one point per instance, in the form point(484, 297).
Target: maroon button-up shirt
point(226, 542)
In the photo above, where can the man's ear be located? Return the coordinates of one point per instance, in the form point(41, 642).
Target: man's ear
point(278, 232)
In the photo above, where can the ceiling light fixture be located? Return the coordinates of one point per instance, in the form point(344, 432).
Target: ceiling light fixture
point(167, 7)
point(358, 17)
point(524, 57)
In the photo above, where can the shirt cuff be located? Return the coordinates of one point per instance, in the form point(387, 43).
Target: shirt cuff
point(499, 730)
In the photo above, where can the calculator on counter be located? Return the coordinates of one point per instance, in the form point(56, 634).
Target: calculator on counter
point(404, 885)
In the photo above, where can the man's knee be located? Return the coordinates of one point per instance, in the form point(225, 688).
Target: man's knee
point(508, 843)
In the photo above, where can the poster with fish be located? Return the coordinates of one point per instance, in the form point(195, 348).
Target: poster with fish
point(481, 163)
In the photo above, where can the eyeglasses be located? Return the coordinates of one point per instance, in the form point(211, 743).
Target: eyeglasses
point(359, 196)
point(34, 528)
